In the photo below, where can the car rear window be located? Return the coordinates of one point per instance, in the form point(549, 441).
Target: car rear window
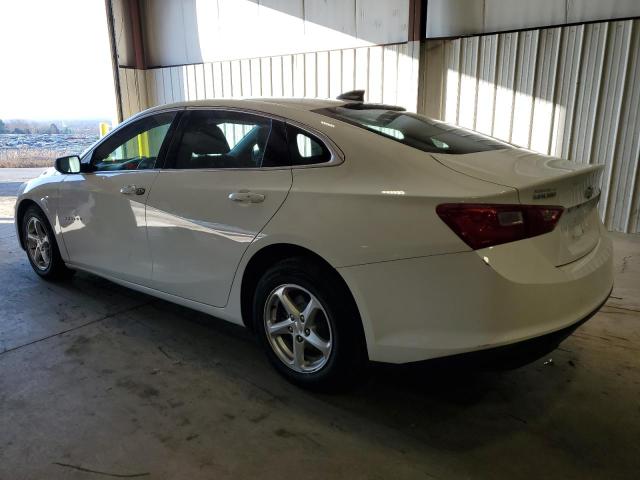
point(416, 131)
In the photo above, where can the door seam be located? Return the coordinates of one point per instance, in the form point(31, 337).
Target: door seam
point(235, 273)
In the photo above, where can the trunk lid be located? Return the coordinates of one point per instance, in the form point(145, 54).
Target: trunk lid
point(543, 180)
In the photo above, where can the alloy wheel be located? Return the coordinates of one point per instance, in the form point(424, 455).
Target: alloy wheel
point(38, 244)
point(298, 328)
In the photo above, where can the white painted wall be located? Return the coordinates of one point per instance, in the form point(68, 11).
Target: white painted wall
point(195, 31)
point(388, 73)
point(450, 18)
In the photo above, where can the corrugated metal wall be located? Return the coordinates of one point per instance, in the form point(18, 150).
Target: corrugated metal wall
point(133, 90)
point(572, 92)
point(388, 73)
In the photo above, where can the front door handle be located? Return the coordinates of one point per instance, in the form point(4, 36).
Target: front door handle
point(132, 189)
point(246, 197)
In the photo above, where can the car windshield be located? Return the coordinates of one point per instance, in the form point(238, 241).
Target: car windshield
point(415, 131)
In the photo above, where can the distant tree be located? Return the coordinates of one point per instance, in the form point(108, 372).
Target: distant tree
point(3, 129)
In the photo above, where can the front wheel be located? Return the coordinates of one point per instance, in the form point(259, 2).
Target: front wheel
point(40, 244)
point(308, 325)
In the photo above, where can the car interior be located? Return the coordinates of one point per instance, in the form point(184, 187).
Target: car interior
point(206, 140)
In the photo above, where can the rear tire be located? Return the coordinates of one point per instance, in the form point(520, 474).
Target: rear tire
point(323, 351)
point(41, 246)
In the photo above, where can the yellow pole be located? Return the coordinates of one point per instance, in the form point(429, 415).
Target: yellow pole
point(104, 129)
point(143, 145)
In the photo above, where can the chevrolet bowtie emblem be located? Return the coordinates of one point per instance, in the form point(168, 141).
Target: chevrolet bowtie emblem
point(588, 193)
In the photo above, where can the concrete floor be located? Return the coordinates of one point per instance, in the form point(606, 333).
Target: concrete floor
point(97, 380)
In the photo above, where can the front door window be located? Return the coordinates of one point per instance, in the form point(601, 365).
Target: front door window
point(136, 147)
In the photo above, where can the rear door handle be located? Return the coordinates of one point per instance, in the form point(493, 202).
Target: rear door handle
point(246, 197)
point(132, 189)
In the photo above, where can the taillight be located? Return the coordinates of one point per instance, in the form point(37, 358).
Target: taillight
point(482, 225)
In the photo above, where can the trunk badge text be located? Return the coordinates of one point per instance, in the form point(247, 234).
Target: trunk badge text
point(544, 193)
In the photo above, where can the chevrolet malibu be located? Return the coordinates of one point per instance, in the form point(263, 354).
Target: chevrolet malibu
point(340, 232)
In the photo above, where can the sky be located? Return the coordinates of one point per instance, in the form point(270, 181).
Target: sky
point(55, 61)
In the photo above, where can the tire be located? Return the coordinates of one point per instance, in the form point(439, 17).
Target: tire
point(331, 339)
point(47, 263)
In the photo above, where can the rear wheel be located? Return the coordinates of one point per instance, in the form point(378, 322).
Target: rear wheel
point(308, 325)
point(40, 244)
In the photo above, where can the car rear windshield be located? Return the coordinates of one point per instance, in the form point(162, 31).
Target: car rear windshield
point(416, 131)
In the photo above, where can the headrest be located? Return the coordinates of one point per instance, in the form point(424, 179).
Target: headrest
point(206, 140)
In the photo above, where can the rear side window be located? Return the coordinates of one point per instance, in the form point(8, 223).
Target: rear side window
point(305, 148)
point(416, 131)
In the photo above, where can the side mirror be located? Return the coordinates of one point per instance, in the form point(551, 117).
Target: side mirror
point(70, 164)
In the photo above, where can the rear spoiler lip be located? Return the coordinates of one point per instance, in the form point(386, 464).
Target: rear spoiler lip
point(576, 170)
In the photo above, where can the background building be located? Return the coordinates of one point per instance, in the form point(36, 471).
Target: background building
point(561, 77)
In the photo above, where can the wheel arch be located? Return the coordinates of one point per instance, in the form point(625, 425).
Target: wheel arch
point(269, 255)
point(23, 206)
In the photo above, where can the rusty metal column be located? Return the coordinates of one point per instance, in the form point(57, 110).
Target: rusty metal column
point(114, 58)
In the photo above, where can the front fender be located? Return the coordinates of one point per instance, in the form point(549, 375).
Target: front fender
point(43, 192)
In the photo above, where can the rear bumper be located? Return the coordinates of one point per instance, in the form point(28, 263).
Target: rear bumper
point(444, 305)
point(513, 355)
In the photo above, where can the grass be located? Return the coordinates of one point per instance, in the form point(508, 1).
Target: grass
point(29, 157)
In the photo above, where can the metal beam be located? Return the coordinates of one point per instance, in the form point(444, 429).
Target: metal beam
point(114, 58)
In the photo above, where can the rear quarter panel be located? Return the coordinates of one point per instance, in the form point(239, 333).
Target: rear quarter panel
point(378, 205)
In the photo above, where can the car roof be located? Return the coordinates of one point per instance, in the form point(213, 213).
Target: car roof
point(302, 110)
point(271, 105)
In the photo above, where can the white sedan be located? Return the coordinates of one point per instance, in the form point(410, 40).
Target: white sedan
point(339, 231)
